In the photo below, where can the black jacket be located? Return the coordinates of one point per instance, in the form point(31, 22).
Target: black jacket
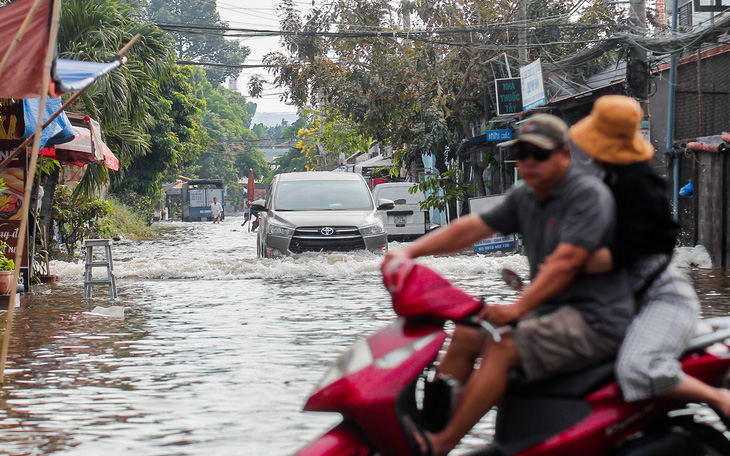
point(644, 223)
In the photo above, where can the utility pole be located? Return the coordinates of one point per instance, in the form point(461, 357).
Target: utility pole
point(522, 34)
point(637, 67)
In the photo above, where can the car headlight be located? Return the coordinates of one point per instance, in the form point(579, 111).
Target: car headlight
point(280, 230)
point(372, 229)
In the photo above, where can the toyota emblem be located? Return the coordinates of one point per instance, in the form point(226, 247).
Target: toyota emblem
point(327, 231)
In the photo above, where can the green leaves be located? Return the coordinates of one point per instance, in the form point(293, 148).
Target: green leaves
point(79, 217)
point(441, 189)
point(6, 263)
point(428, 91)
point(194, 46)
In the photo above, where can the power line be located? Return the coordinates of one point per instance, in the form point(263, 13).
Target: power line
point(595, 47)
point(224, 65)
point(236, 32)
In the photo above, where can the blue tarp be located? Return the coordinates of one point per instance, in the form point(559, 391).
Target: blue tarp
point(58, 132)
point(75, 75)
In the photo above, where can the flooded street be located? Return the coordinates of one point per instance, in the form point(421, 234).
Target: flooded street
point(217, 351)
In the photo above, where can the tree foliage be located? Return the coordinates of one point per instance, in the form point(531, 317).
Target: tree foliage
point(79, 217)
point(427, 92)
point(231, 151)
point(177, 136)
point(325, 138)
point(442, 189)
point(197, 47)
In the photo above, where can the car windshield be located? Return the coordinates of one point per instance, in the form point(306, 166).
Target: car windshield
point(329, 195)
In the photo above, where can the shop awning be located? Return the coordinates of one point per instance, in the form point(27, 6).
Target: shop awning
point(87, 147)
point(75, 75)
point(174, 188)
point(23, 74)
point(376, 162)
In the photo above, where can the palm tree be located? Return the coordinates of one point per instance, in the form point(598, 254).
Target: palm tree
point(124, 102)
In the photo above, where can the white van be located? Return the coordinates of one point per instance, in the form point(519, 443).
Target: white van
point(406, 220)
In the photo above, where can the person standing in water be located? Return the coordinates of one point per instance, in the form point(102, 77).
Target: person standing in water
point(216, 209)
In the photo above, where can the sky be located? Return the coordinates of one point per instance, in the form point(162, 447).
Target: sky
point(259, 15)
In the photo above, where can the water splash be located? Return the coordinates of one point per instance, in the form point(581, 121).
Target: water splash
point(689, 257)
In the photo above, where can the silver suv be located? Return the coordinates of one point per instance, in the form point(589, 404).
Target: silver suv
point(319, 211)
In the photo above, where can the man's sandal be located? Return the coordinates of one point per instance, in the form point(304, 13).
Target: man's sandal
point(416, 438)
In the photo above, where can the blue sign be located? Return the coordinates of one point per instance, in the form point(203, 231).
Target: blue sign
point(499, 135)
point(497, 241)
point(494, 243)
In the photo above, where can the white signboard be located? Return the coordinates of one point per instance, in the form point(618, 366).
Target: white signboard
point(498, 241)
point(533, 92)
point(197, 197)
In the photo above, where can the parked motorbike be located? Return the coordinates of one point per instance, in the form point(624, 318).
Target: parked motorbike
point(377, 386)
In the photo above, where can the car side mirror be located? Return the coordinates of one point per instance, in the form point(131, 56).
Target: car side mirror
point(259, 205)
point(385, 204)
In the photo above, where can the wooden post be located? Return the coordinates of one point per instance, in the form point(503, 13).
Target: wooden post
point(50, 55)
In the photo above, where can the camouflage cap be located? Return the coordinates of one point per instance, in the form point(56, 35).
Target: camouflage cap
point(545, 131)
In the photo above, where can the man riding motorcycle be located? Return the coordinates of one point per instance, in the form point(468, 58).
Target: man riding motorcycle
point(559, 213)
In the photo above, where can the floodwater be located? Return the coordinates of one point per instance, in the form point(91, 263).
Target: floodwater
point(217, 351)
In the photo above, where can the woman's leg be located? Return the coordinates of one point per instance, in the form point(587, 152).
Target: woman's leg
point(648, 362)
point(692, 389)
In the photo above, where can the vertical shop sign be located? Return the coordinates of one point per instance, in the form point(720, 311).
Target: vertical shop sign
point(12, 126)
point(509, 96)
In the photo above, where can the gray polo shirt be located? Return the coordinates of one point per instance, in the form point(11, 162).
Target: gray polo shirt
point(580, 211)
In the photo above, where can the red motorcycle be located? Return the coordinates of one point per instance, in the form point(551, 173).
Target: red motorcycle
point(378, 388)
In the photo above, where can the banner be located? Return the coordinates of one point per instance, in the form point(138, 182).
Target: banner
point(23, 75)
point(533, 92)
point(12, 127)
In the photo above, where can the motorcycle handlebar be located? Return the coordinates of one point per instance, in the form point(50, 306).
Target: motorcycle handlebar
point(486, 326)
point(395, 273)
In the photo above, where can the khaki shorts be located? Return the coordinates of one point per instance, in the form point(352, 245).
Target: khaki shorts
point(561, 341)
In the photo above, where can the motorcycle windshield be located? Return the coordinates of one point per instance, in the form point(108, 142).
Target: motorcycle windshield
point(422, 293)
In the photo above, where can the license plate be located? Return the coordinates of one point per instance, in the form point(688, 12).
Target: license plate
point(399, 220)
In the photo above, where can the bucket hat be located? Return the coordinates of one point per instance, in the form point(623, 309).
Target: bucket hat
point(545, 131)
point(611, 134)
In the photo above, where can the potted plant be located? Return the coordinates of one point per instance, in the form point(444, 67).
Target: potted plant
point(7, 265)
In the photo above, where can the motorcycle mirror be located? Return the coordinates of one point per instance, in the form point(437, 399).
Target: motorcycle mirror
point(512, 279)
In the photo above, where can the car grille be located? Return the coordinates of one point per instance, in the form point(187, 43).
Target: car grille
point(312, 239)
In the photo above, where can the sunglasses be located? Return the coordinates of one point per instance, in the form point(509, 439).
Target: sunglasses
point(523, 152)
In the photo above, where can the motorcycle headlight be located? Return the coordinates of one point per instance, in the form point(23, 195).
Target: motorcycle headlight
point(358, 357)
point(280, 230)
point(401, 354)
point(372, 229)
